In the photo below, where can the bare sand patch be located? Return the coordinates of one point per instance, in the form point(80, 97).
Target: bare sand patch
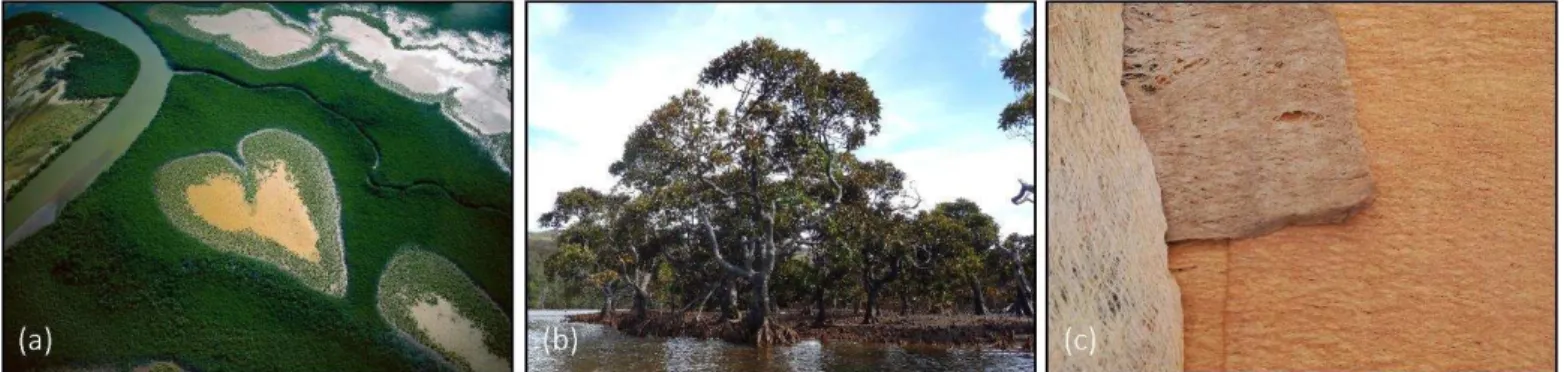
point(278, 213)
point(440, 321)
point(257, 30)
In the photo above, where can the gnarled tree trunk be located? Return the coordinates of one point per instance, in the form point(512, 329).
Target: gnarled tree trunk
point(1022, 305)
point(977, 296)
point(730, 299)
point(641, 299)
point(608, 301)
point(872, 288)
point(819, 306)
point(905, 305)
point(820, 315)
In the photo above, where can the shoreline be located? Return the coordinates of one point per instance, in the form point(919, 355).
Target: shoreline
point(1002, 332)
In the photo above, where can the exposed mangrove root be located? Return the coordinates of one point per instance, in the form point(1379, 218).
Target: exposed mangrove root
point(994, 331)
point(773, 334)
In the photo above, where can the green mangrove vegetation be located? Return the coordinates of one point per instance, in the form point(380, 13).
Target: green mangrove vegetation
point(418, 143)
point(118, 280)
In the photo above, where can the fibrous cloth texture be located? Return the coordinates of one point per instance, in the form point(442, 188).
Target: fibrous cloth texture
point(1107, 261)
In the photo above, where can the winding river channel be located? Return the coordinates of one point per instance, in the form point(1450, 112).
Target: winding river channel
point(39, 201)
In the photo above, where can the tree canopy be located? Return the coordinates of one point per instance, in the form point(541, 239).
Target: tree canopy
point(1019, 118)
point(769, 193)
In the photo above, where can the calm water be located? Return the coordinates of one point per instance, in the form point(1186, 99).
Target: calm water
point(39, 202)
point(600, 349)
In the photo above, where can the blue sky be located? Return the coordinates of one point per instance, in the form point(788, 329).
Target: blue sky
point(596, 70)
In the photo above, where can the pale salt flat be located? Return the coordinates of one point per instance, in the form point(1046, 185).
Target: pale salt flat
point(416, 30)
point(479, 88)
point(446, 327)
point(258, 30)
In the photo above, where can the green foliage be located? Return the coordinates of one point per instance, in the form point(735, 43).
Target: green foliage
point(1020, 67)
point(574, 262)
point(1026, 246)
point(106, 68)
point(546, 291)
point(608, 237)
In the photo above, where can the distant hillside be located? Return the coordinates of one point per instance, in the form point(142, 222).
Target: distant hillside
point(540, 245)
point(543, 292)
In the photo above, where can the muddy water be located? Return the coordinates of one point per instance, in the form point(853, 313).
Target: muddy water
point(39, 202)
point(599, 348)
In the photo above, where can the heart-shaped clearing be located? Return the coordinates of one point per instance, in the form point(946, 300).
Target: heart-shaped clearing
point(281, 207)
point(430, 299)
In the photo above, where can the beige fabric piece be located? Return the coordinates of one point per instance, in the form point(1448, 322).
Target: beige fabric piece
point(1249, 115)
point(1107, 262)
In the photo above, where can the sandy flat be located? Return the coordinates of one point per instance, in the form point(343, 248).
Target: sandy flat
point(1452, 267)
point(257, 30)
point(278, 214)
point(440, 321)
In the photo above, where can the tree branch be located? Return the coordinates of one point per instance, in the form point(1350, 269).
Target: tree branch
point(1027, 191)
point(830, 171)
point(711, 233)
point(895, 271)
point(702, 302)
point(738, 111)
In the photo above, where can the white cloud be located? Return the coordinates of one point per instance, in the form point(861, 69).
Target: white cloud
point(546, 19)
point(982, 171)
point(1007, 22)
